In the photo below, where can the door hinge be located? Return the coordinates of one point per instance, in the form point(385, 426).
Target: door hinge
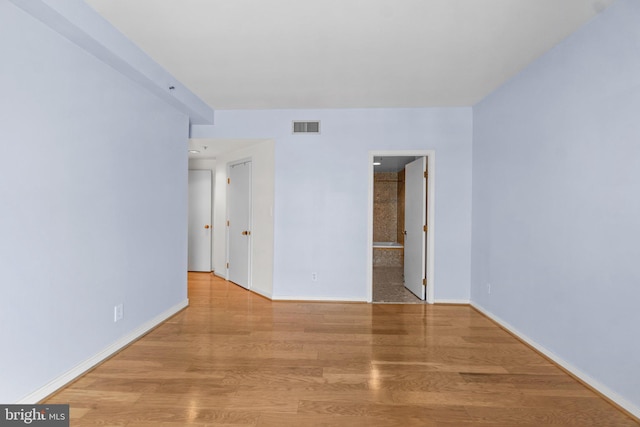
point(424, 282)
point(426, 174)
point(227, 265)
point(425, 228)
point(228, 180)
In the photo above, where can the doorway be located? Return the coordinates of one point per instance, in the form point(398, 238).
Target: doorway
point(239, 223)
point(199, 239)
point(400, 218)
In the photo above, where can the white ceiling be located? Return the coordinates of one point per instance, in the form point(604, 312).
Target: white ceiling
point(392, 163)
point(248, 54)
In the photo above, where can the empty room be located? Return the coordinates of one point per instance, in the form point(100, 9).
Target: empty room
point(199, 206)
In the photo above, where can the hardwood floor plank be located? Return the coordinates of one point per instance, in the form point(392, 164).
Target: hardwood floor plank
point(316, 420)
point(399, 412)
point(583, 416)
point(233, 358)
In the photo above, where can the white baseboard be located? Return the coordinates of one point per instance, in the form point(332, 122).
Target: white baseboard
point(316, 299)
point(452, 301)
point(83, 367)
point(596, 385)
point(222, 276)
point(261, 292)
point(332, 299)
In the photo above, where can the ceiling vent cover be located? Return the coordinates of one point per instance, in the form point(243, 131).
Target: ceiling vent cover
point(306, 127)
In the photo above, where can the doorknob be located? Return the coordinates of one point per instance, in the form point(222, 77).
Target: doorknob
point(245, 233)
point(206, 226)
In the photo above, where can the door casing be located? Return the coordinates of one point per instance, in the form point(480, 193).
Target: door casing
point(415, 213)
point(200, 220)
point(430, 239)
point(249, 225)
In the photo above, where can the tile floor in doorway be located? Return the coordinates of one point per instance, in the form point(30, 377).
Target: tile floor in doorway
point(389, 288)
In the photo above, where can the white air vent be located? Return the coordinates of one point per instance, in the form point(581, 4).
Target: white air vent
point(306, 127)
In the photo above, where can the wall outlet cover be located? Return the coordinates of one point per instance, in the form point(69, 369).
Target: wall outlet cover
point(118, 312)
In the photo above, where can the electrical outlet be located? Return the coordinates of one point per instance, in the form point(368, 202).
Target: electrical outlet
point(118, 312)
point(489, 288)
point(314, 277)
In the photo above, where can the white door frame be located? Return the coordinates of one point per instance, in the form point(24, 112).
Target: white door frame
point(415, 218)
point(250, 255)
point(196, 228)
point(430, 240)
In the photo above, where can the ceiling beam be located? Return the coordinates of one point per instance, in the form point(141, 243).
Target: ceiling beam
point(79, 23)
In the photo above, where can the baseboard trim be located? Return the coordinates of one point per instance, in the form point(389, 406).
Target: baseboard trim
point(615, 399)
point(64, 379)
point(262, 293)
point(316, 299)
point(452, 301)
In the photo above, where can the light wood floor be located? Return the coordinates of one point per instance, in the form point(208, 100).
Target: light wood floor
point(234, 358)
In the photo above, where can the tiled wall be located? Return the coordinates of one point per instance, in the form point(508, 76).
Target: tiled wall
point(388, 257)
point(388, 207)
point(388, 217)
point(385, 207)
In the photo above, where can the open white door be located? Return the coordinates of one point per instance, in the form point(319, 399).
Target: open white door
point(415, 221)
point(199, 252)
point(239, 225)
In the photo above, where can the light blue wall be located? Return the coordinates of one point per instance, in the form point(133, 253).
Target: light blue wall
point(556, 201)
point(321, 192)
point(93, 178)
